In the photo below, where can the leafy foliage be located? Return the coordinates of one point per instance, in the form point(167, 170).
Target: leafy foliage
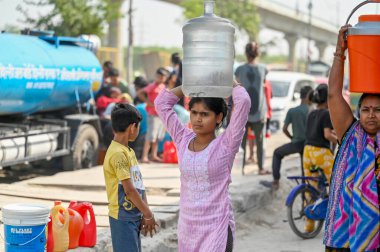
point(242, 13)
point(72, 17)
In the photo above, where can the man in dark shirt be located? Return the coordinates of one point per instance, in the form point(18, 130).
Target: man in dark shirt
point(297, 118)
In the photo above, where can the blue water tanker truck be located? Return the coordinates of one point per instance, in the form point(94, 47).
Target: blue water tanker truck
point(45, 84)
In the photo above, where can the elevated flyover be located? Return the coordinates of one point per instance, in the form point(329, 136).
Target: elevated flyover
point(293, 24)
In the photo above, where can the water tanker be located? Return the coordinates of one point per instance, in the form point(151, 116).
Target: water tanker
point(44, 82)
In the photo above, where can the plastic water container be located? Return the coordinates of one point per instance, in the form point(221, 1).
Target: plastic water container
point(60, 228)
point(25, 227)
point(364, 51)
point(208, 47)
point(88, 235)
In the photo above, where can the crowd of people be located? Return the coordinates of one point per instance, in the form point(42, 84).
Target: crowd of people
point(206, 223)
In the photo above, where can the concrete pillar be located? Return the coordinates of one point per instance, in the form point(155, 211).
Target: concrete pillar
point(321, 46)
point(292, 41)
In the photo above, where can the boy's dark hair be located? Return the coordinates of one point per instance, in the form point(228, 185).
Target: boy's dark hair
point(305, 91)
point(320, 94)
point(365, 95)
point(217, 105)
point(113, 72)
point(124, 115)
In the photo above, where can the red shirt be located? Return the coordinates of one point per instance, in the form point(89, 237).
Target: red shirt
point(152, 91)
point(268, 96)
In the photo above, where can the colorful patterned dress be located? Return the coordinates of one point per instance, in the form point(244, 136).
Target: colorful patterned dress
point(205, 206)
point(353, 217)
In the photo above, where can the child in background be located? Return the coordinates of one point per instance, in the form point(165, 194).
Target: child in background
point(156, 129)
point(127, 203)
point(206, 221)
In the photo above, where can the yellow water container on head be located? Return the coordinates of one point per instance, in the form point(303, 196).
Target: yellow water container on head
point(363, 41)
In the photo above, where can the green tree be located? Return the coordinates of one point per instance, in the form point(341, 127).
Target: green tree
point(242, 13)
point(72, 17)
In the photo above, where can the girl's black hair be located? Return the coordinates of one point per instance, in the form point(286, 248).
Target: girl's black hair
point(217, 105)
point(320, 94)
point(365, 95)
point(123, 115)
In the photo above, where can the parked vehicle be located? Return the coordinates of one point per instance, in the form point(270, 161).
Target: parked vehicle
point(286, 88)
point(44, 82)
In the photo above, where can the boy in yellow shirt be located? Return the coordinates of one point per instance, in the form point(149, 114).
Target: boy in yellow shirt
point(127, 203)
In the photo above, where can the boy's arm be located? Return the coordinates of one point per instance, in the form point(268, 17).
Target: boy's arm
point(135, 197)
point(141, 204)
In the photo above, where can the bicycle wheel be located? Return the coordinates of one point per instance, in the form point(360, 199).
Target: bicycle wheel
point(296, 216)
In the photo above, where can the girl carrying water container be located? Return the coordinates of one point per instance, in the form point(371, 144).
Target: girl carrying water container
point(206, 221)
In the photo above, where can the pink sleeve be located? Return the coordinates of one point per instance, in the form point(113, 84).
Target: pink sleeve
point(234, 133)
point(164, 106)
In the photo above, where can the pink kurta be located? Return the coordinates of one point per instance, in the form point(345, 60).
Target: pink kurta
point(205, 204)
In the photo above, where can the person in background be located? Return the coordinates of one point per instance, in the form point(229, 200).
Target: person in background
point(138, 144)
point(123, 98)
point(139, 83)
point(127, 202)
point(319, 136)
point(103, 101)
point(252, 76)
point(353, 213)
point(104, 89)
point(296, 117)
point(107, 65)
point(268, 95)
point(156, 129)
point(116, 81)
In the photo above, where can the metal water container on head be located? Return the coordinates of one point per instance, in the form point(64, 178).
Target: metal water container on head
point(208, 47)
point(363, 42)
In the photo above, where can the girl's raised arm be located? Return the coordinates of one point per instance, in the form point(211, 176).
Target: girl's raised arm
point(164, 106)
point(340, 111)
point(235, 131)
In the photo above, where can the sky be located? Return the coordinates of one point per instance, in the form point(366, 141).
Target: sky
point(159, 23)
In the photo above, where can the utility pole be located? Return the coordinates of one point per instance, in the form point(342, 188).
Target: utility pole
point(310, 7)
point(115, 34)
point(130, 44)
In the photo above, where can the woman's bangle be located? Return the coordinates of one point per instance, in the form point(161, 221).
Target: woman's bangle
point(339, 55)
point(148, 219)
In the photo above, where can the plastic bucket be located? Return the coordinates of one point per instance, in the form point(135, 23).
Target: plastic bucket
point(364, 50)
point(25, 227)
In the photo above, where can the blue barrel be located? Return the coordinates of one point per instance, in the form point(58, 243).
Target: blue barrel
point(39, 74)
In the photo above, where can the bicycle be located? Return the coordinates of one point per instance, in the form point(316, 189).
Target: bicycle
point(304, 200)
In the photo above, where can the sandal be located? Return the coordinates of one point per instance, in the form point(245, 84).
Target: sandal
point(264, 172)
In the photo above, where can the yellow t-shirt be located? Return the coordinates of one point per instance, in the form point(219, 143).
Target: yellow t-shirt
point(120, 163)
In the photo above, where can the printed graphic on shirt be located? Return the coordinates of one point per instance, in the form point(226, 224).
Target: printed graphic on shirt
point(127, 208)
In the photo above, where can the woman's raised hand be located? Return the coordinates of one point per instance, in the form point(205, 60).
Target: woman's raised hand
point(341, 44)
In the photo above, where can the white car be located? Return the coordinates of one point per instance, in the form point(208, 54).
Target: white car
point(286, 88)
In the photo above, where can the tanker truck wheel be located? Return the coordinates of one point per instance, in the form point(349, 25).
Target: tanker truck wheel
point(85, 149)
